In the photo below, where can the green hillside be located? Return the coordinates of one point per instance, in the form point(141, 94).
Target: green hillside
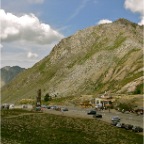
point(107, 57)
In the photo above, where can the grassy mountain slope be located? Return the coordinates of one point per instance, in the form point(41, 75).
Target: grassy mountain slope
point(104, 57)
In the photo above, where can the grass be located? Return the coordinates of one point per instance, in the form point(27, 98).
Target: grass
point(125, 58)
point(42, 128)
point(101, 45)
point(59, 100)
point(11, 112)
point(131, 78)
point(92, 50)
point(118, 42)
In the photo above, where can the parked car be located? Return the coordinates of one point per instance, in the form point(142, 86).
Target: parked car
point(128, 126)
point(123, 125)
point(48, 107)
point(92, 112)
point(11, 106)
point(119, 125)
point(38, 109)
point(137, 129)
point(64, 109)
point(53, 107)
point(43, 106)
point(58, 108)
point(115, 120)
point(97, 116)
point(5, 106)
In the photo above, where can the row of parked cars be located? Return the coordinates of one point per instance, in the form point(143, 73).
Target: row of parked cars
point(52, 107)
point(57, 108)
point(116, 122)
point(7, 106)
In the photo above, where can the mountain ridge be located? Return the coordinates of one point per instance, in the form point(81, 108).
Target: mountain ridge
point(8, 73)
point(100, 58)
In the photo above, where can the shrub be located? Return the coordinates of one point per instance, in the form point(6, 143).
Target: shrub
point(126, 105)
point(47, 97)
point(139, 89)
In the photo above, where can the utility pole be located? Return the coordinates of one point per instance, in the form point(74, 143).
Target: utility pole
point(38, 98)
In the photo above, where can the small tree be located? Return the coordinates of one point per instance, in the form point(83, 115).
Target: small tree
point(47, 97)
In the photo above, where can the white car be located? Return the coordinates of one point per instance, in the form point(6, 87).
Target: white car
point(11, 106)
point(115, 120)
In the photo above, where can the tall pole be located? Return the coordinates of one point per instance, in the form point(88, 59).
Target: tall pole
point(38, 98)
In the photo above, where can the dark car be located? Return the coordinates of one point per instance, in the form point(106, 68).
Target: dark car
point(123, 125)
point(137, 129)
point(5, 106)
point(128, 126)
point(97, 116)
point(92, 112)
point(48, 107)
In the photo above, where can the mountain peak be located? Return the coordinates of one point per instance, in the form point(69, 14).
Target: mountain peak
point(124, 21)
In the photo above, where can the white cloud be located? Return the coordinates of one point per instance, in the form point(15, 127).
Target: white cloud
point(136, 6)
point(142, 21)
point(21, 54)
point(104, 21)
point(36, 1)
point(23, 35)
point(1, 46)
point(26, 28)
point(32, 55)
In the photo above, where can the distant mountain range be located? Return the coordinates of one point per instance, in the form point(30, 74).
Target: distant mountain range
point(9, 73)
point(106, 57)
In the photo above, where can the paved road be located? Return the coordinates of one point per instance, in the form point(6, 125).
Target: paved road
point(136, 120)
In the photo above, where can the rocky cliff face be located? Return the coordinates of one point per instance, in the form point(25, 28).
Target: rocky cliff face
point(9, 73)
point(107, 57)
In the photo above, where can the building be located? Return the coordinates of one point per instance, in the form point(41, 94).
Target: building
point(104, 101)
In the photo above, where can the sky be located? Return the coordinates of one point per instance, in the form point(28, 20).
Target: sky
point(31, 28)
